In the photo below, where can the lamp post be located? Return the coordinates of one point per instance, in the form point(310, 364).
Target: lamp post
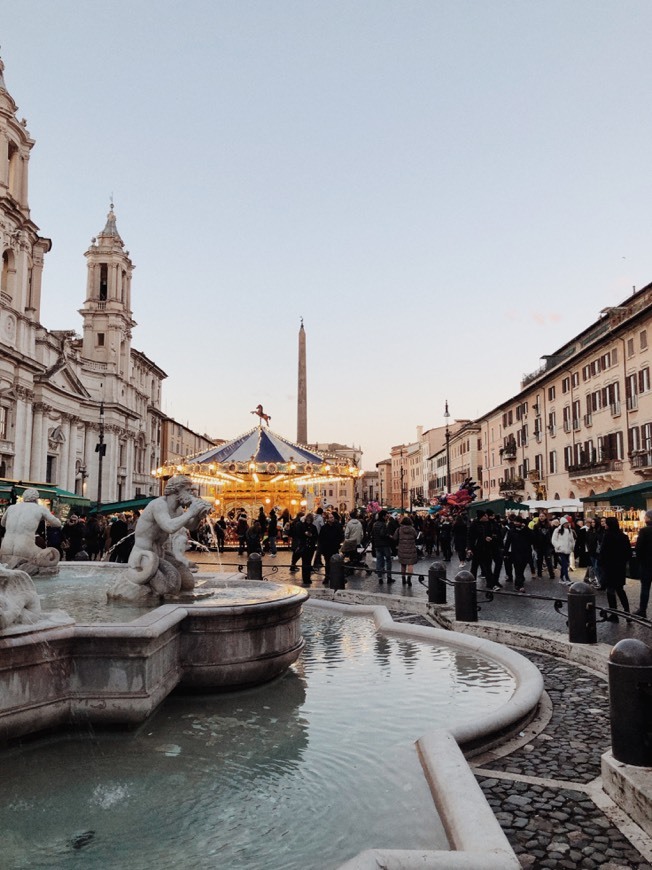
point(448, 449)
point(402, 476)
point(83, 473)
point(100, 449)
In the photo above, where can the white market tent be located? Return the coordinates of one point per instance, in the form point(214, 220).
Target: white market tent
point(557, 506)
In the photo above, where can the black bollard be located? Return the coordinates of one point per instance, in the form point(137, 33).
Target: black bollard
point(336, 572)
point(254, 566)
point(466, 597)
point(436, 583)
point(630, 702)
point(581, 614)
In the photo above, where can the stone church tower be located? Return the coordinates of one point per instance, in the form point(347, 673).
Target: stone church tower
point(59, 392)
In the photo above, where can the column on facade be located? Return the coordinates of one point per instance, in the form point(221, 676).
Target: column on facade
point(64, 455)
point(4, 164)
point(24, 179)
point(37, 456)
point(22, 439)
point(90, 461)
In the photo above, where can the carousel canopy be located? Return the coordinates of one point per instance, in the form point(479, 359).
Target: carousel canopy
point(258, 445)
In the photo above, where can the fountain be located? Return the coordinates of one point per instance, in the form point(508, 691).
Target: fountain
point(231, 633)
point(225, 634)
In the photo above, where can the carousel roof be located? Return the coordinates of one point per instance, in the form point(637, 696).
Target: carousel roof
point(258, 445)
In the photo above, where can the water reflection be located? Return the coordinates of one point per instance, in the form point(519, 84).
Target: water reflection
point(304, 772)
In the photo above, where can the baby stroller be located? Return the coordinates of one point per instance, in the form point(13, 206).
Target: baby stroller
point(355, 559)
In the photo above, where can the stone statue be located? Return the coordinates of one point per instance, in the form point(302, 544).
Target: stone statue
point(153, 568)
point(19, 602)
point(19, 548)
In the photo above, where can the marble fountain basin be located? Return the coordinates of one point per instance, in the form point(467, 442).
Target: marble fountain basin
point(233, 633)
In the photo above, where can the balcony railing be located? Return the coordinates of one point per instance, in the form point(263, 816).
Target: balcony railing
point(591, 469)
point(512, 484)
point(509, 453)
point(642, 459)
point(632, 403)
point(567, 426)
point(588, 420)
point(614, 407)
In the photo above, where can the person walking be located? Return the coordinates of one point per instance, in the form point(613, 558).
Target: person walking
point(594, 537)
point(331, 536)
point(382, 543)
point(319, 524)
point(518, 543)
point(241, 531)
point(614, 555)
point(542, 541)
point(308, 546)
point(644, 556)
point(272, 533)
point(563, 543)
point(460, 534)
point(406, 549)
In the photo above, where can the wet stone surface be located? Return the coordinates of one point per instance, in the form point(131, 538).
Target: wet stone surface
point(550, 825)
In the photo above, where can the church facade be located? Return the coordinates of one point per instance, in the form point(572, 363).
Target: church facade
point(80, 411)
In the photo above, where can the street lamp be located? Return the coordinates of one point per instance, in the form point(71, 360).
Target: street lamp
point(402, 476)
point(448, 449)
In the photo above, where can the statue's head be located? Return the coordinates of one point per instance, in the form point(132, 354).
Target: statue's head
point(31, 494)
point(178, 484)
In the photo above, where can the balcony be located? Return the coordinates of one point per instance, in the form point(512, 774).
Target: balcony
point(576, 423)
point(632, 403)
point(597, 471)
point(588, 420)
point(509, 453)
point(614, 407)
point(511, 485)
point(641, 461)
point(567, 426)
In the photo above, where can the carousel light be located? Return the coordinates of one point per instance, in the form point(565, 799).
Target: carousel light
point(303, 502)
point(292, 466)
point(252, 466)
point(293, 501)
point(217, 501)
point(327, 468)
point(255, 477)
point(211, 467)
point(268, 501)
point(179, 467)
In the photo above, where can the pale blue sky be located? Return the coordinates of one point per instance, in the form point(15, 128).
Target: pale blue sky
point(444, 191)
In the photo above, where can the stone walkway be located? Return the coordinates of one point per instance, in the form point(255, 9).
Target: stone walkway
point(544, 786)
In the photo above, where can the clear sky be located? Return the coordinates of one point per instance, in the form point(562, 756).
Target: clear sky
point(444, 191)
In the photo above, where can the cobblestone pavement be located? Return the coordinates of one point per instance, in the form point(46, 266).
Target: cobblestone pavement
point(544, 789)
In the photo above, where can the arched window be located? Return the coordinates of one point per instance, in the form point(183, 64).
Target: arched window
point(13, 159)
point(104, 281)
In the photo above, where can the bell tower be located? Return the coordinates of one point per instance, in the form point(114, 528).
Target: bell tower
point(21, 248)
point(106, 311)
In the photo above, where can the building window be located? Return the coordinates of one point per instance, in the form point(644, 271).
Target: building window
point(644, 380)
point(100, 339)
point(551, 394)
point(3, 423)
point(630, 347)
point(643, 338)
point(553, 462)
point(104, 281)
point(568, 456)
point(575, 379)
point(565, 385)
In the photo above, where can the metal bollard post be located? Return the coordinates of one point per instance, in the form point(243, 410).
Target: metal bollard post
point(436, 583)
point(630, 702)
point(581, 614)
point(254, 566)
point(336, 572)
point(466, 597)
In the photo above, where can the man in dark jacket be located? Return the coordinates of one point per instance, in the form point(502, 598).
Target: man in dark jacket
point(382, 543)
point(542, 541)
point(644, 556)
point(519, 545)
point(483, 541)
point(331, 536)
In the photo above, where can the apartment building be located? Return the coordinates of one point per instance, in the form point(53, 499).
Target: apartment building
point(581, 423)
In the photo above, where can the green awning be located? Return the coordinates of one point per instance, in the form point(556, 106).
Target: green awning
point(9, 488)
point(634, 497)
point(118, 507)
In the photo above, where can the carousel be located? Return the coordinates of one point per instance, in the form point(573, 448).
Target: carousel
point(261, 468)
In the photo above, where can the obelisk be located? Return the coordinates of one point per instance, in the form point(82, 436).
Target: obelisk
point(302, 392)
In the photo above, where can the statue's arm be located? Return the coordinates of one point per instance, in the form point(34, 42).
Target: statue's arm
point(172, 524)
point(50, 519)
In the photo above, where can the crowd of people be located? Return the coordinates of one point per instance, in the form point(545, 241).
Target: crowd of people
point(493, 547)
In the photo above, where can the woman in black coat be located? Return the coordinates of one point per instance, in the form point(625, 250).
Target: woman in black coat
point(615, 552)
